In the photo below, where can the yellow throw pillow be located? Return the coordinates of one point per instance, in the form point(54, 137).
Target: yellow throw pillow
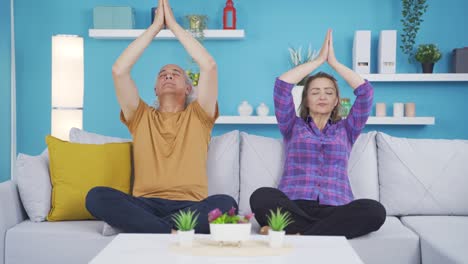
point(77, 168)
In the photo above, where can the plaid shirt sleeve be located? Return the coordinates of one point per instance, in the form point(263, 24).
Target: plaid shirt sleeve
point(360, 111)
point(284, 107)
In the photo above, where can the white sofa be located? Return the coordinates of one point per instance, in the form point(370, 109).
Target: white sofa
point(421, 183)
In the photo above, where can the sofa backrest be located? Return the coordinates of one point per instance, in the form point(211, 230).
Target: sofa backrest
point(222, 165)
point(261, 165)
point(262, 158)
point(362, 167)
point(423, 176)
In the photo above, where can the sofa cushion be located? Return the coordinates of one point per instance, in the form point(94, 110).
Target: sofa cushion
point(261, 165)
point(444, 239)
point(392, 243)
point(223, 159)
point(362, 167)
point(32, 176)
point(262, 161)
point(77, 168)
point(423, 176)
point(54, 242)
point(222, 165)
point(84, 137)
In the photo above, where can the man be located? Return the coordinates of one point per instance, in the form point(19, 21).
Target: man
point(170, 143)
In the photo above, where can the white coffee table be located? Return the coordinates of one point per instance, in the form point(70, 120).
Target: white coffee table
point(159, 248)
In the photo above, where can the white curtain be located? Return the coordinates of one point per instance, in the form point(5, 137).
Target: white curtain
point(13, 95)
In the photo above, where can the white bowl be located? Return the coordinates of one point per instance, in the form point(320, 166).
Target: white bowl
point(230, 232)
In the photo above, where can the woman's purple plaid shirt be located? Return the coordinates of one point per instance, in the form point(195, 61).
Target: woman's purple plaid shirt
point(317, 161)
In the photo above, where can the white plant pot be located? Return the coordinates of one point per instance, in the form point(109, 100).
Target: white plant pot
point(185, 238)
point(230, 232)
point(276, 238)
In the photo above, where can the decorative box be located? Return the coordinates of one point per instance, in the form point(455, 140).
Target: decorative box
point(113, 17)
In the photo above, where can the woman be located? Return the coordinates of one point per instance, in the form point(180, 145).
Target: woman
point(315, 187)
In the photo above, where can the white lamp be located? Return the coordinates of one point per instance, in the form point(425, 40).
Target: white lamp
point(67, 84)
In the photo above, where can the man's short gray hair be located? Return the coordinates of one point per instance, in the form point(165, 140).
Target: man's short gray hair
point(190, 97)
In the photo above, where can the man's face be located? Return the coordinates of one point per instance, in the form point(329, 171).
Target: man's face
point(172, 80)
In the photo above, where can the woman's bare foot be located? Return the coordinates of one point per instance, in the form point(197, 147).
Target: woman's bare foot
point(264, 230)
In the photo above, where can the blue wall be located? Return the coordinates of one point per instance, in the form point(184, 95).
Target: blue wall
point(247, 68)
point(5, 78)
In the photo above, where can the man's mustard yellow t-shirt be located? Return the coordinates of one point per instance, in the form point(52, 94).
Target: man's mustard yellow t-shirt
point(170, 151)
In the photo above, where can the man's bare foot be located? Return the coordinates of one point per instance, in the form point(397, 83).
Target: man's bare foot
point(173, 231)
point(264, 230)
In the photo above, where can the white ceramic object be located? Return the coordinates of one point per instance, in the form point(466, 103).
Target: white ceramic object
point(362, 51)
point(276, 238)
point(262, 110)
point(297, 97)
point(185, 238)
point(245, 109)
point(387, 52)
point(398, 109)
point(230, 233)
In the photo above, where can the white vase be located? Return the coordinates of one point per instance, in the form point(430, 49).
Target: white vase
point(185, 238)
point(398, 109)
point(230, 232)
point(245, 109)
point(276, 238)
point(262, 110)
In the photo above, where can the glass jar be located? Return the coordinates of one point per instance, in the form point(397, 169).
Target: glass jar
point(345, 107)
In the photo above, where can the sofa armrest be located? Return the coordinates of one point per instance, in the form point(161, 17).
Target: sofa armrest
point(11, 212)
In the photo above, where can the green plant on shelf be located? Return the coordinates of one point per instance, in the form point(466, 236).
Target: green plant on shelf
point(428, 53)
point(412, 13)
point(297, 57)
point(196, 24)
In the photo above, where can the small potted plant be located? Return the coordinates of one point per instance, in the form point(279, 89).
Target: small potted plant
point(427, 55)
point(297, 57)
point(278, 222)
point(185, 223)
point(196, 24)
point(229, 227)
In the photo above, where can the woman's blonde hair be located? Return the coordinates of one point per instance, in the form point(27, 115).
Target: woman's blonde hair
point(304, 109)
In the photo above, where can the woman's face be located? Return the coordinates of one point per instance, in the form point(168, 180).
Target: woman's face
point(321, 96)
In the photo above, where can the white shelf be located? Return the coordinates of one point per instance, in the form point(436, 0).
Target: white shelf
point(214, 34)
point(246, 120)
point(259, 120)
point(373, 120)
point(417, 77)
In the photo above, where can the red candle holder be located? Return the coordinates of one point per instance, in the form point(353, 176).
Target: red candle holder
point(229, 15)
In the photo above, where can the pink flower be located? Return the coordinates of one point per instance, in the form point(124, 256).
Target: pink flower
point(214, 214)
point(232, 212)
point(249, 216)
